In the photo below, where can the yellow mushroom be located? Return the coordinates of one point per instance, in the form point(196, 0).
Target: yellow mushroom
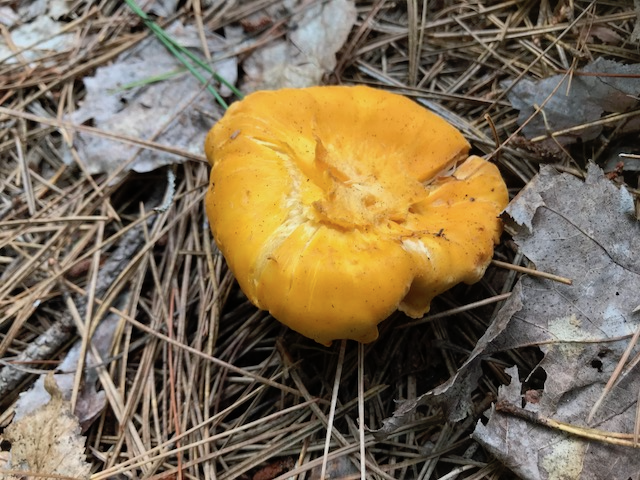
point(335, 206)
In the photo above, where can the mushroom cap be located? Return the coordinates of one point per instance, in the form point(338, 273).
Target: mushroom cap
point(335, 206)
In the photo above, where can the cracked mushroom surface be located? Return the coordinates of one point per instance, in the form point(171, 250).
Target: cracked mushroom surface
point(334, 206)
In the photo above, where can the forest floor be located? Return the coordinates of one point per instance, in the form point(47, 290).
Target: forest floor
point(110, 279)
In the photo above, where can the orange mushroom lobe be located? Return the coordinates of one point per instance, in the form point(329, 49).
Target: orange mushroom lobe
point(335, 206)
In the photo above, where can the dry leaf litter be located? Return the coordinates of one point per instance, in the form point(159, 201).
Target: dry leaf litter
point(167, 368)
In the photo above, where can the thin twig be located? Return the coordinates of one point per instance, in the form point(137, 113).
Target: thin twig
point(612, 438)
point(332, 411)
point(533, 272)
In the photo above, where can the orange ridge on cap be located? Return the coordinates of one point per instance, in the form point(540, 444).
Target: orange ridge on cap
point(335, 206)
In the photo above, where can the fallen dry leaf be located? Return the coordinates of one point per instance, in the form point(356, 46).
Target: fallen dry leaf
point(162, 8)
point(308, 53)
point(28, 10)
point(535, 452)
point(126, 98)
point(48, 441)
point(576, 100)
point(586, 231)
point(43, 36)
point(582, 230)
point(453, 396)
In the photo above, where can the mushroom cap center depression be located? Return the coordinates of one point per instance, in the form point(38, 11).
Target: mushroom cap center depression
point(340, 190)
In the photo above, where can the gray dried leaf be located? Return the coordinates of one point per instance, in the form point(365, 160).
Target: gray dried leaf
point(340, 468)
point(162, 8)
point(32, 9)
point(453, 396)
point(43, 35)
point(582, 230)
point(576, 100)
point(309, 53)
point(585, 231)
point(8, 16)
point(124, 98)
point(534, 452)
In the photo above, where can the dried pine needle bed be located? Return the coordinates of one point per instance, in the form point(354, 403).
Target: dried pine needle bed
point(185, 378)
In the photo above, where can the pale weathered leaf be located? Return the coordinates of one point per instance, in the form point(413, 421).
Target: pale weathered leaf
point(132, 97)
point(43, 36)
point(453, 396)
point(337, 468)
point(535, 452)
point(162, 8)
point(308, 53)
point(582, 230)
point(586, 231)
point(32, 9)
point(48, 440)
point(573, 100)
